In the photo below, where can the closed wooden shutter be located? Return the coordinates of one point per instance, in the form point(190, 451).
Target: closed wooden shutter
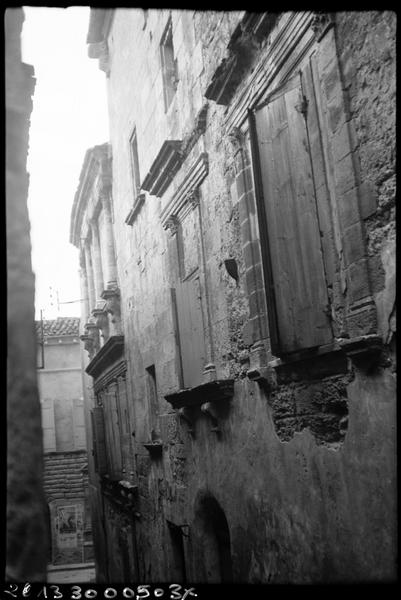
point(48, 425)
point(112, 421)
point(125, 433)
point(99, 440)
point(79, 424)
point(190, 331)
point(291, 219)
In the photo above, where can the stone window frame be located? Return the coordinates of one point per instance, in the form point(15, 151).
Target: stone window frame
point(134, 161)
point(360, 346)
point(168, 65)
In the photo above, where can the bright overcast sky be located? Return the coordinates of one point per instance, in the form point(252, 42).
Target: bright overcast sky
point(69, 116)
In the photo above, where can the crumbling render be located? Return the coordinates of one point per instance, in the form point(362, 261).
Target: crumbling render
point(322, 407)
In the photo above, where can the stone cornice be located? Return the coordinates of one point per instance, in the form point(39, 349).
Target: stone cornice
point(241, 51)
point(164, 167)
point(286, 44)
point(108, 354)
point(100, 21)
point(194, 177)
point(95, 175)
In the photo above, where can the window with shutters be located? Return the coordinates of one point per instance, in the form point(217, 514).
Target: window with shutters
point(292, 183)
point(111, 433)
point(190, 331)
point(169, 65)
point(63, 425)
point(99, 440)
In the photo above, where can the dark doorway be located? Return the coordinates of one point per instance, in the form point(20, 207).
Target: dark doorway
point(178, 570)
point(215, 540)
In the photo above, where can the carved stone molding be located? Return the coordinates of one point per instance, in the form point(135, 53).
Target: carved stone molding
point(88, 344)
point(320, 23)
point(108, 354)
point(193, 198)
point(139, 201)
point(198, 129)
point(236, 138)
point(91, 338)
point(113, 307)
point(101, 321)
point(189, 186)
point(172, 224)
point(164, 168)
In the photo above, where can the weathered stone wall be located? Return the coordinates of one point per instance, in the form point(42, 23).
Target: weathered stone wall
point(366, 50)
point(305, 471)
point(65, 459)
point(26, 516)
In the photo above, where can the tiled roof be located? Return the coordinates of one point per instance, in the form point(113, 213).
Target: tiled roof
point(59, 326)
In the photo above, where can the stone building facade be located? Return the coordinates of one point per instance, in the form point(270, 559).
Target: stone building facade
point(26, 525)
point(64, 441)
point(244, 410)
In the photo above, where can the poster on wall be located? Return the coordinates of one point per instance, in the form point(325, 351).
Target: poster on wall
point(67, 526)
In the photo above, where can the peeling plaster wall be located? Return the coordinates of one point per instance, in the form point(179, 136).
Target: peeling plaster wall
point(305, 474)
point(26, 516)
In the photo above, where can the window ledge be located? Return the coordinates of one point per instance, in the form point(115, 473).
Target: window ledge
point(331, 359)
point(212, 391)
point(120, 491)
point(155, 449)
point(139, 200)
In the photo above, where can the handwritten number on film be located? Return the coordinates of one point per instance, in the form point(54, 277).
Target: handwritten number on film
point(175, 592)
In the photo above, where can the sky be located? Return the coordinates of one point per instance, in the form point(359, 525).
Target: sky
point(69, 116)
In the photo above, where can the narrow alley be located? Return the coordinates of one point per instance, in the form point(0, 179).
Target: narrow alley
point(222, 406)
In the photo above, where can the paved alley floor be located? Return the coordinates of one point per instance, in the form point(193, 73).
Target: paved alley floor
point(77, 573)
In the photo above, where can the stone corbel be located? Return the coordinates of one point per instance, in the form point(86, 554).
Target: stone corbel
point(210, 410)
point(101, 321)
point(100, 50)
point(259, 370)
point(186, 415)
point(172, 224)
point(88, 344)
point(104, 197)
point(93, 343)
point(236, 138)
point(113, 307)
point(193, 198)
point(321, 22)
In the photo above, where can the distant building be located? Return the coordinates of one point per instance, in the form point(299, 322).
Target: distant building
point(64, 441)
point(237, 243)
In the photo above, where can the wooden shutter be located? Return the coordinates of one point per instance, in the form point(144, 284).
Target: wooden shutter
point(125, 432)
point(190, 331)
point(48, 425)
point(289, 211)
point(79, 424)
point(113, 426)
point(99, 440)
